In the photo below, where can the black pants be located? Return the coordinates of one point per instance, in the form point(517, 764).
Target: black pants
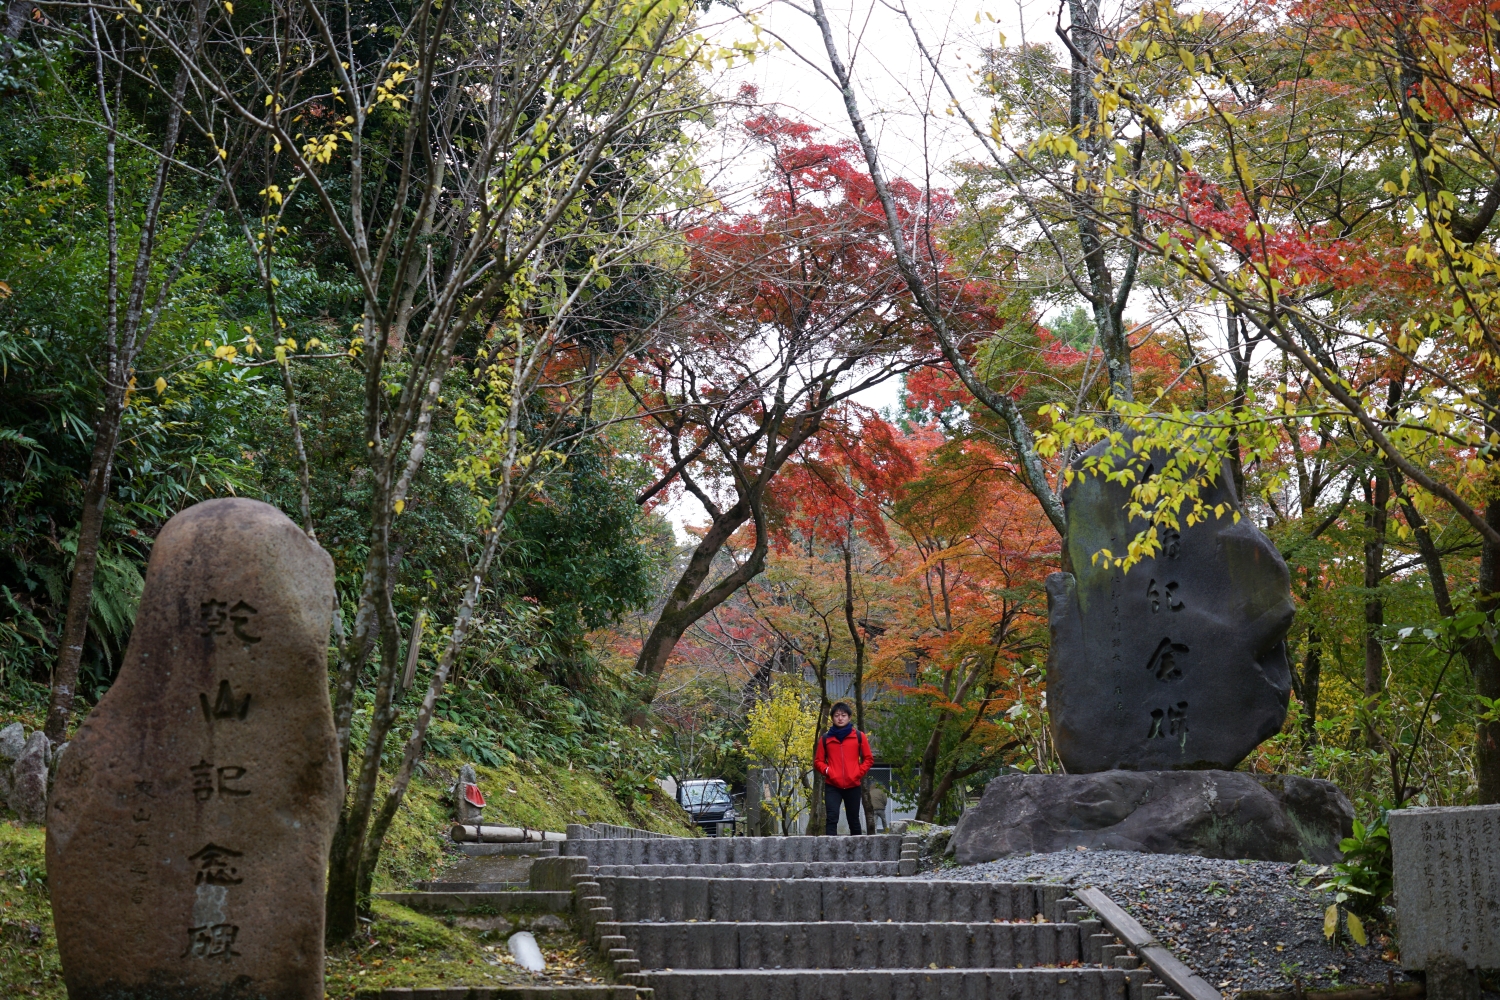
point(849, 798)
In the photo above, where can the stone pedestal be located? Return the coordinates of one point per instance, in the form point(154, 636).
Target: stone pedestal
point(1447, 887)
point(1213, 814)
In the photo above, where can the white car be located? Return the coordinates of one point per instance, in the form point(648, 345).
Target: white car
point(707, 801)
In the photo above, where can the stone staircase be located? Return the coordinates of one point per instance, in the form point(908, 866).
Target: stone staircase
point(833, 918)
point(816, 918)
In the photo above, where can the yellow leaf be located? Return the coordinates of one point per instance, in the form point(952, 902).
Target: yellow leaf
point(1331, 921)
point(161, 385)
point(401, 505)
point(1357, 929)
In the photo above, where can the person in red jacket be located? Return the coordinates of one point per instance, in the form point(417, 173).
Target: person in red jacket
point(843, 758)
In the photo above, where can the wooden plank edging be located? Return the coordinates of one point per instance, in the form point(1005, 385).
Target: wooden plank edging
point(1178, 977)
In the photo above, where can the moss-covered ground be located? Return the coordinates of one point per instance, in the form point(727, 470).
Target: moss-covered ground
point(28, 948)
point(535, 796)
point(401, 947)
point(398, 947)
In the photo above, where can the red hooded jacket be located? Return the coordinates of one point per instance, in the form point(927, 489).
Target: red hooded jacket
point(844, 763)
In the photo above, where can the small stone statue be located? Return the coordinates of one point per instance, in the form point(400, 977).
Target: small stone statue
point(1180, 663)
point(468, 800)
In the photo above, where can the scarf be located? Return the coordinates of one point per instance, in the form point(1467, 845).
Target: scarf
point(839, 732)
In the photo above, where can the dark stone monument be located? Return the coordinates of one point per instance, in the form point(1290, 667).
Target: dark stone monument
point(190, 820)
point(1213, 814)
point(1160, 681)
point(1179, 663)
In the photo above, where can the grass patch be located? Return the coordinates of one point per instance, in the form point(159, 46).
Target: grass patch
point(401, 947)
point(28, 948)
point(549, 798)
point(541, 798)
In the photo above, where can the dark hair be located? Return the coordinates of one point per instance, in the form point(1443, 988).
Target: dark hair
point(841, 706)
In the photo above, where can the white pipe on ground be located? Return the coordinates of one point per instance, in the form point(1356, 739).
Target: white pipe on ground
point(463, 833)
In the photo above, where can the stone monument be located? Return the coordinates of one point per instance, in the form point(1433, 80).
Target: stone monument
point(1179, 663)
point(190, 819)
point(1160, 680)
point(1447, 886)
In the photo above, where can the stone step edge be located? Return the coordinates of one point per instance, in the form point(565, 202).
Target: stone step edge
point(911, 847)
point(619, 942)
point(1180, 979)
point(438, 886)
point(464, 902)
point(547, 850)
point(602, 991)
point(928, 982)
point(872, 869)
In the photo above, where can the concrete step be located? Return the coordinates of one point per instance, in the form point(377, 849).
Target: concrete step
point(637, 899)
point(773, 869)
point(735, 850)
point(601, 992)
point(547, 850)
point(467, 902)
point(898, 984)
point(469, 886)
point(840, 945)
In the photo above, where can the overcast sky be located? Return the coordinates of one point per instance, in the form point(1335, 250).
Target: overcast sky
point(898, 94)
point(899, 97)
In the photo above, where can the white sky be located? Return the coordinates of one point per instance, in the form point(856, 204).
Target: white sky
point(898, 95)
point(901, 100)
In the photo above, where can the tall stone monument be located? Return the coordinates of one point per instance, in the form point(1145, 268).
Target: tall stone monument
point(190, 821)
point(1159, 681)
point(1179, 663)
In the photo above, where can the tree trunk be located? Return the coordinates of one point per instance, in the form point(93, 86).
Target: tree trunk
point(866, 802)
point(1432, 559)
point(1240, 350)
point(1083, 115)
point(85, 563)
point(16, 15)
point(1312, 671)
point(927, 800)
point(817, 809)
point(125, 336)
point(1376, 520)
point(1486, 665)
point(682, 609)
point(1033, 470)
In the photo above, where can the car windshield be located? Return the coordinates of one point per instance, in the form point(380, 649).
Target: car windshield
point(705, 793)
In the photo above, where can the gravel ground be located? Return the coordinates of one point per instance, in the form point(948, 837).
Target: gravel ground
point(1242, 925)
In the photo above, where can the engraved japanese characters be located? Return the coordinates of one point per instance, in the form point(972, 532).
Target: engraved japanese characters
point(1179, 663)
point(1447, 884)
point(190, 822)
